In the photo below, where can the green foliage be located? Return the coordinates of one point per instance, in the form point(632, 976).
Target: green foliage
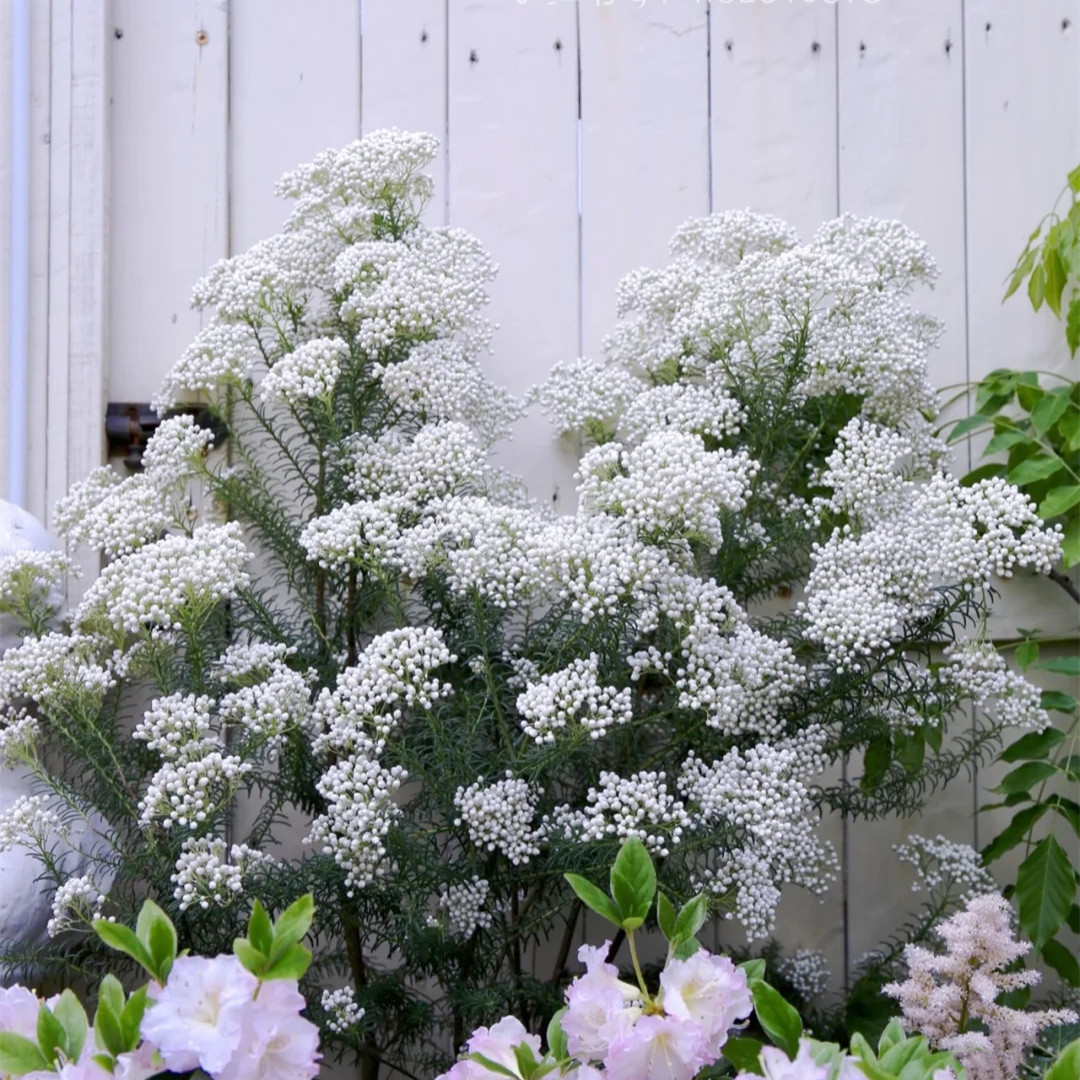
point(1046, 881)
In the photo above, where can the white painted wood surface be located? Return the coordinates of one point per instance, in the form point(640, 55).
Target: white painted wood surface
point(575, 136)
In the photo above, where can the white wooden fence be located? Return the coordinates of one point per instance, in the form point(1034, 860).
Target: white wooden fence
point(575, 137)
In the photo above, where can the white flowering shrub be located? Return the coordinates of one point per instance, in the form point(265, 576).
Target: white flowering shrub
point(453, 695)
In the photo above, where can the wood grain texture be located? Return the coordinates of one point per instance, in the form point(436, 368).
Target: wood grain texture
point(513, 182)
point(294, 89)
point(169, 160)
point(644, 143)
point(404, 78)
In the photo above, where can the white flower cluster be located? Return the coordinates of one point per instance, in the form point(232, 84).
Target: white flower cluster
point(763, 794)
point(204, 876)
point(337, 189)
point(191, 786)
point(54, 667)
point(28, 822)
point(808, 972)
point(393, 673)
point(343, 1013)
point(76, 904)
point(938, 861)
point(584, 396)
point(173, 451)
point(19, 735)
point(429, 284)
point(867, 584)
point(439, 382)
point(268, 709)
point(465, 906)
point(310, 371)
point(981, 675)
point(499, 817)
point(223, 354)
point(688, 408)
point(572, 694)
point(173, 723)
point(359, 796)
point(639, 805)
point(741, 678)
point(158, 582)
point(33, 578)
point(669, 485)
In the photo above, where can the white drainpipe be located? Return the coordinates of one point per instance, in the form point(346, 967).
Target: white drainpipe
point(19, 287)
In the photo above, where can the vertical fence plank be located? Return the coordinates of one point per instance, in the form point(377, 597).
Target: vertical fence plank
point(644, 143)
point(901, 155)
point(294, 89)
point(404, 78)
point(513, 85)
point(77, 364)
point(774, 110)
point(1023, 136)
point(169, 69)
point(40, 104)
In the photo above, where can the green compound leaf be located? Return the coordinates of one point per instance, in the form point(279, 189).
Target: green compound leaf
point(1045, 888)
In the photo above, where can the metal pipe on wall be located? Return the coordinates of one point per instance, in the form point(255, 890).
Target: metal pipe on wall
point(19, 254)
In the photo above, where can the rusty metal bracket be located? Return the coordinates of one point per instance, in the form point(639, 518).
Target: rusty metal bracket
point(130, 424)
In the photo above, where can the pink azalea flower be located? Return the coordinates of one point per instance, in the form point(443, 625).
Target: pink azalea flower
point(657, 1048)
point(196, 1018)
point(708, 990)
point(19, 1011)
point(276, 1042)
point(778, 1066)
point(596, 1006)
point(496, 1044)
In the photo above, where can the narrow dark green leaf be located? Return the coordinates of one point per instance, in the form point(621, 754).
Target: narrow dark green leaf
point(1026, 777)
point(876, 763)
point(1045, 888)
point(1063, 665)
point(1027, 652)
point(1055, 278)
point(1063, 961)
point(1003, 440)
point(967, 426)
point(1059, 500)
point(1037, 467)
point(593, 898)
point(1066, 808)
point(1072, 324)
point(107, 1029)
point(1034, 746)
point(1014, 832)
point(1056, 700)
point(1049, 409)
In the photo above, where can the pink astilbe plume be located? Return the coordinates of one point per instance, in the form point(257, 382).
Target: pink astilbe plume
point(952, 998)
